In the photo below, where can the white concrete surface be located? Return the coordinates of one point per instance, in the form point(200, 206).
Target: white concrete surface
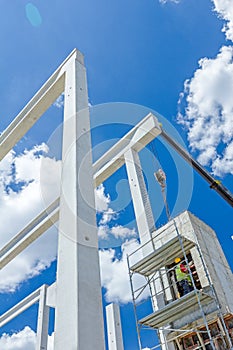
point(79, 314)
point(114, 330)
point(136, 139)
point(42, 321)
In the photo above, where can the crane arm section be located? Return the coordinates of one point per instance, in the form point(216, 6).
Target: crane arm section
point(214, 184)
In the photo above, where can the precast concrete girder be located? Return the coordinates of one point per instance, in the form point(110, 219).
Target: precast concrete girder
point(137, 138)
point(38, 295)
point(20, 307)
point(40, 102)
point(30, 233)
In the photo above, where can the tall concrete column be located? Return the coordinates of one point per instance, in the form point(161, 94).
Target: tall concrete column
point(42, 321)
point(145, 222)
point(78, 315)
point(141, 203)
point(115, 340)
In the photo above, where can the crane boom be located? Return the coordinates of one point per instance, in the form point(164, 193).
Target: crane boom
point(214, 184)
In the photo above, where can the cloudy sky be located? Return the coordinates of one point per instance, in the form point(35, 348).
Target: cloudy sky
point(173, 57)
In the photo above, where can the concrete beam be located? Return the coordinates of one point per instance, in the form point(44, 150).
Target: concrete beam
point(40, 102)
point(30, 233)
point(20, 307)
point(137, 138)
point(43, 314)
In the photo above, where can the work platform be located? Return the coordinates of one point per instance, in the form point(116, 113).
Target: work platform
point(162, 256)
point(177, 309)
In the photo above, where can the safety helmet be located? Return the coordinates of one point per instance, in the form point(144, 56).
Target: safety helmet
point(177, 260)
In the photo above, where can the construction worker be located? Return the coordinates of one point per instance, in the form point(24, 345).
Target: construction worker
point(183, 278)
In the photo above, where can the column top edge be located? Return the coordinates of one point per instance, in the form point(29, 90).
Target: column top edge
point(79, 56)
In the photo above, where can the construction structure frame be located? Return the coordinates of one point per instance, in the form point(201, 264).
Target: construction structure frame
point(78, 264)
point(78, 259)
point(76, 294)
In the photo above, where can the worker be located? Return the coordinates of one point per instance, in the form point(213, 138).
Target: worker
point(183, 278)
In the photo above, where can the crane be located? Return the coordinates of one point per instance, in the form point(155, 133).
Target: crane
point(214, 184)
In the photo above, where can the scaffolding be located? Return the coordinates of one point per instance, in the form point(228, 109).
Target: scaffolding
point(177, 314)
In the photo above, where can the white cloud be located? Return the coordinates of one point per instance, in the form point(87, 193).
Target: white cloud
point(225, 10)
point(107, 216)
point(102, 203)
point(6, 169)
point(23, 340)
point(115, 277)
point(208, 114)
point(21, 198)
point(25, 161)
point(103, 232)
point(102, 200)
point(119, 231)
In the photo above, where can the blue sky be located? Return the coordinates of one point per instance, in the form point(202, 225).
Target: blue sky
point(170, 57)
